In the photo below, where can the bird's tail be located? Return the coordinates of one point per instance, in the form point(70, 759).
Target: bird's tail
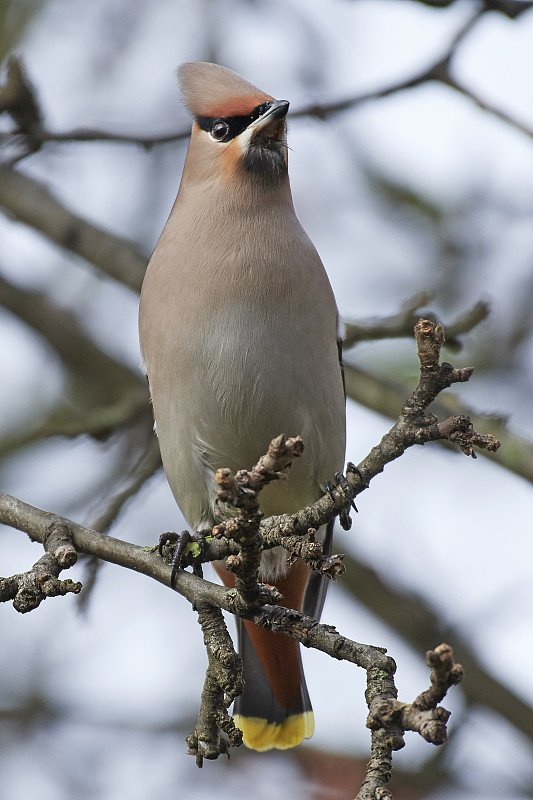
point(274, 710)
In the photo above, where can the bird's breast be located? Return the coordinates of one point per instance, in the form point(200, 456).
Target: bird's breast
point(238, 332)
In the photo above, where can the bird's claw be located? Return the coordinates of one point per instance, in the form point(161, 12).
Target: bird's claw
point(343, 484)
point(342, 481)
point(356, 471)
point(328, 486)
point(181, 560)
point(166, 538)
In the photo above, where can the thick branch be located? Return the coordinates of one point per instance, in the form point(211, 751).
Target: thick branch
point(198, 591)
point(77, 350)
point(19, 100)
point(380, 668)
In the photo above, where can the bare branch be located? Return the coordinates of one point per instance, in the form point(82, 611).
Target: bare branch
point(19, 100)
point(198, 591)
point(511, 8)
point(486, 106)
point(241, 491)
point(58, 542)
point(223, 682)
point(77, 350)
point(438, 71)
point(29, 589)
point(386, 397)
point(444, 673)
point(388, 718)
point(401, 325)
point(93, 135)
point(413, 426)
point(416, 622)
point(201, 593)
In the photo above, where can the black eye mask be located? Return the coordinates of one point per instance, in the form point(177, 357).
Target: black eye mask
point(230, 127)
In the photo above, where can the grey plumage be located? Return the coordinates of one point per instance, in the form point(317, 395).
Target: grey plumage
point(238, 329)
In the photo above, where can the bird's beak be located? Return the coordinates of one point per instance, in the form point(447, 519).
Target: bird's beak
point(268, 123)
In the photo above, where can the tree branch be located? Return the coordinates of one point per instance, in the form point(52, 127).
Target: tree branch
point(223, 682)
point(511, 8)
point(416, 622)
point(29, 589)
point(401, 325)
point(77, 350)
point(29, 201)
point(382, 395)
point(388, 718)
point(19, 93)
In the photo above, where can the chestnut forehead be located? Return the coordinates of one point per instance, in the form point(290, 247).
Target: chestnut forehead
point(239, 106)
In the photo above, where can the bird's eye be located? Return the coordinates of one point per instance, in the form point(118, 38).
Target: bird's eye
point(219, 130)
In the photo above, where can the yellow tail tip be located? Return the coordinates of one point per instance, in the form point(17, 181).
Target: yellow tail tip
point(259, 734)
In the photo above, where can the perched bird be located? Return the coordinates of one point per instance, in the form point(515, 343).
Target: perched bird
point(239, 334)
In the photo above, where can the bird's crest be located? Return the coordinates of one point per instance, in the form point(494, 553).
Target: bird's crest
point(210, 90)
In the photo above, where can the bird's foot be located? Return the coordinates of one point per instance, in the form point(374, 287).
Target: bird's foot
point(329, 487)
point(189, 551)
point(341, 482)
point(350, 467)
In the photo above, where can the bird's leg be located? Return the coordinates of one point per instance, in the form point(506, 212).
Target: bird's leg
point(344, 516)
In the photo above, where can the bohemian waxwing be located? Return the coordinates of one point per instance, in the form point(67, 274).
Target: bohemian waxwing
point(238, 331)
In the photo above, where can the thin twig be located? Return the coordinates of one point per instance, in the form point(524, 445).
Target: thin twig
point(416, 622)
point(382, 395)
point(401, 325)
point(145, 467)
point(438, 71)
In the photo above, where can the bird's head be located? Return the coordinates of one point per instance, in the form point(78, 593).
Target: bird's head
point(239, 132)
